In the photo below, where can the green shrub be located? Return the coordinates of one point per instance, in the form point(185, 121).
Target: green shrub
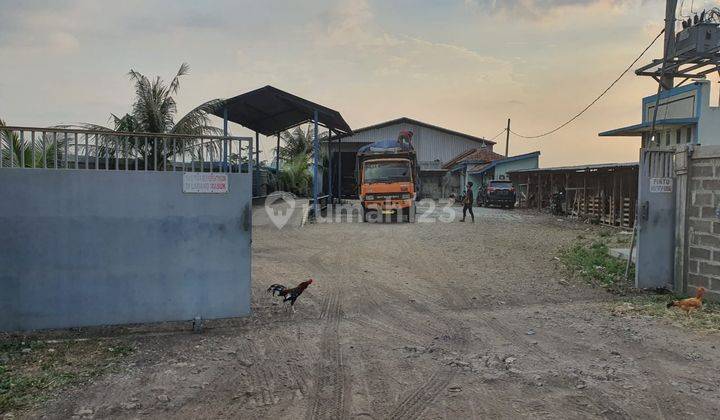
point(295, 177)
point(592, 263)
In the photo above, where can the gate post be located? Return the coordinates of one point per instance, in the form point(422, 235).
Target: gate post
point(681, 233)
point(656, 220)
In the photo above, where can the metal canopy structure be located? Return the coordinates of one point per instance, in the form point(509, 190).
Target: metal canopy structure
point(269, 111)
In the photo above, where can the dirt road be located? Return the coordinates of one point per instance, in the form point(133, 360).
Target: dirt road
point(428, 320)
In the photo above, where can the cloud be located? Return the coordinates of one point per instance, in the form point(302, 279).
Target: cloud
point(543, 9)
point(349, 29)
point(39, 29)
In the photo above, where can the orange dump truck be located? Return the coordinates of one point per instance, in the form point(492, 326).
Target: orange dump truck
point(388, 179)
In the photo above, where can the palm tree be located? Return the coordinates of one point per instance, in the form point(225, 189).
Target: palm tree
point(154, 111)
point(297, 153)
point(295, 176)
point(298, 142)
point(43, 152)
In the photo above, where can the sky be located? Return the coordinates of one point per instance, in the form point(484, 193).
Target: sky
point(466, 65)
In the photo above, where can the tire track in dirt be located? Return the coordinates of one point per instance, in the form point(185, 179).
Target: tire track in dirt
point(602, 402)
point(517, 340)
point(330, 399)
point(659, 387)
point(268, 372)
point(260, 379)
point(293, 374)
point(415, 403)
point(388, 316)
point(589, 397)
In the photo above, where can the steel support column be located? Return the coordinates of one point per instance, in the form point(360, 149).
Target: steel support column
point(225, 141)
point(257, 149)
point(277, 164)
point(330, 166)
point(339, 186)
point(316, 157)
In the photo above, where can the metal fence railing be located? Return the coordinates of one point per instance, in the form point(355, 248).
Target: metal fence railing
point(65, 148)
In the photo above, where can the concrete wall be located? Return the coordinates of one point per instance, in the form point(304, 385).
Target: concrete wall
point(709, 122)
point(85, 247)
point(703, 221)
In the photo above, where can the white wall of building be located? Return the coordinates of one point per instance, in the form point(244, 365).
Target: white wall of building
point(430, 143)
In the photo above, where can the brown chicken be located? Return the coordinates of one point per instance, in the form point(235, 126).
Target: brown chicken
point(690, 304)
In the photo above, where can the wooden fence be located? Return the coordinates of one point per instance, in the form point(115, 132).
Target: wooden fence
point(605, 194)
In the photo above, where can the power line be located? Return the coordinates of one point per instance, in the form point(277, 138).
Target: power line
point(599, 97)
point(498, 134)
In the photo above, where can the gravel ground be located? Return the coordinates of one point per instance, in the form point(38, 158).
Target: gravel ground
point(432, 320)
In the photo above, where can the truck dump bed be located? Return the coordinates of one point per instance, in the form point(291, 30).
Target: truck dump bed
point(386, 147)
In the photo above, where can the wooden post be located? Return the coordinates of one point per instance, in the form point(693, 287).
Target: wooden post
point(622, 201)
point(585, 197)
point(567, 194)
point(539, 193)
point(600, 208)
point(613, 212)
point(527, 192)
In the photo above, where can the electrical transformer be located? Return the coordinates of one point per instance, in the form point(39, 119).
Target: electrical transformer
point(701, 38)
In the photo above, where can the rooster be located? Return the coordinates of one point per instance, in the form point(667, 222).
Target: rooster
point(690, 304)
point(290, 295)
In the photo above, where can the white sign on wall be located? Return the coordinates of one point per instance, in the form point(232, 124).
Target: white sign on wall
point(205, 183)
point(661, 185)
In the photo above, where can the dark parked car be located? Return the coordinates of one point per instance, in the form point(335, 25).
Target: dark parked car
point(497, 193)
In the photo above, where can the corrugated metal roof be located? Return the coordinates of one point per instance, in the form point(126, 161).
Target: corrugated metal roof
point(406, 120)
point(269, 110)
point(431, 144)
point(579, 168)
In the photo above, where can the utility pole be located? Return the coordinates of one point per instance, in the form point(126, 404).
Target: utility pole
point(668, 82)
point(507, 139)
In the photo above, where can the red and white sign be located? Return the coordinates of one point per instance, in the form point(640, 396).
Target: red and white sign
point(205, 183)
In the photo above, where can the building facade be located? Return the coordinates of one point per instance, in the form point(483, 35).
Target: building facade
point(684, 116)
point(434, 145)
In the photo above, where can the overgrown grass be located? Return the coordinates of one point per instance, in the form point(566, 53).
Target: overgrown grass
point(589, 260)
point(655, 305)
point(31, 371)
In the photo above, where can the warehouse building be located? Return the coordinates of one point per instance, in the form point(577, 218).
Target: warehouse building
point(434, 145)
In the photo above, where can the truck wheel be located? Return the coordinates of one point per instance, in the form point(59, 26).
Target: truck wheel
point(411, 214)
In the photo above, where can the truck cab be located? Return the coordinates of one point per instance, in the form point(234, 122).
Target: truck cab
point(388, 181)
